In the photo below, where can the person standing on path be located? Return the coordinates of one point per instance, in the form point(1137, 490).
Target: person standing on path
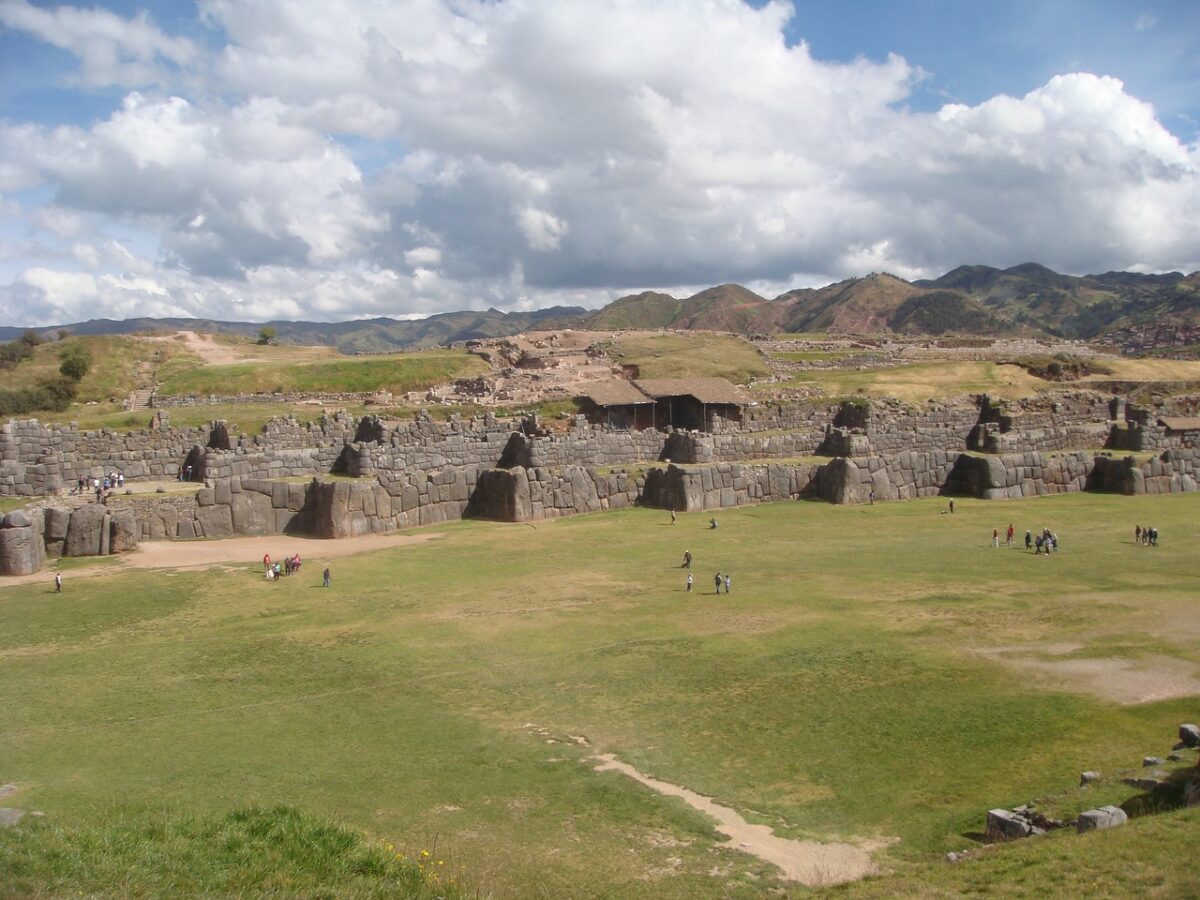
point(689, 583)
point(728, 581)
point(58, 582)
point(325, 577)
point(717, 582)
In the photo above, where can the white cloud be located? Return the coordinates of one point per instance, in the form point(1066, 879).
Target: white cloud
point(542, 230)
point(111, 50)
point(352, 159)
point(1146, 21)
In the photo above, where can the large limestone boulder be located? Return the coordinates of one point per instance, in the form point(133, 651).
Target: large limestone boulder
point(1189, 735)
point(1104, 817)
point(214, 522)
point(86, 531)
point(57, 519)
point(123, 531)
point(1006, 825)
point(21, 548)
point(252, 513)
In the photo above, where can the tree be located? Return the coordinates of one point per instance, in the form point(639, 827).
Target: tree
point(76, 362)
point(266, 334)
point(30, 338)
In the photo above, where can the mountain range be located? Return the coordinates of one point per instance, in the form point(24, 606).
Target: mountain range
point(1026, 299)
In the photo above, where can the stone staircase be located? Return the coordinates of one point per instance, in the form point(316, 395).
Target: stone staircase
point(139, 399)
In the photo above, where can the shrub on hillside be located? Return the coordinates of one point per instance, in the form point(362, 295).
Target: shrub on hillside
point(54, 395)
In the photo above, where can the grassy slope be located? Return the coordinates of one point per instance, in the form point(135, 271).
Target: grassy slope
point(690, 355)
point(836, 694)
point(922, 381)
point(396, 373)
point(114, 363)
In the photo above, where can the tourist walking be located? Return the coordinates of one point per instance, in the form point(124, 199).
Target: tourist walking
point(672, 515)
point(728, 581)
point(717, 582)
point(1137, 534)
point(689, 583)
point(952, 507)
point(995, 537)
point(1028, 539)
point(325, 577)
point(687, 559)
point(1011, 534)
point(58, 582)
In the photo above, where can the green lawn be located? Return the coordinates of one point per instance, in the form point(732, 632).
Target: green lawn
point(398, 373)
point(689, 355)
point(435, 697)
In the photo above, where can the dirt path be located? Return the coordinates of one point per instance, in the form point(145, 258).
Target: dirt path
point(207, 349)
point(189, 555)
point(1125, 681)
point(808, 862)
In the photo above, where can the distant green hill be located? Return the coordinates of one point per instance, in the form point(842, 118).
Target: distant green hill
point(1023, 299)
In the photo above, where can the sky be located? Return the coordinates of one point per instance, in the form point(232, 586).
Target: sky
point(324, 160)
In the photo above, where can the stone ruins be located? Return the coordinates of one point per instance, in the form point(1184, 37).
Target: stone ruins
point(404, 474)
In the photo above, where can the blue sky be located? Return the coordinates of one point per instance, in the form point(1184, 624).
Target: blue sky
point(330, 160)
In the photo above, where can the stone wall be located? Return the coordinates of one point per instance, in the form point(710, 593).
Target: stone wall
point(724, 485)
point(28, 536)
point(37, 459)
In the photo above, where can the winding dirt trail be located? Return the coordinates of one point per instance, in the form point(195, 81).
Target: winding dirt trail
point(811, 863)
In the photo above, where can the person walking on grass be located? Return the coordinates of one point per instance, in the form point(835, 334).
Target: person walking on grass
point(995, 537)
point(672, 515)
point(717, 582)
point(1011, 534)
point(728, 581)
point(58, 582)
point(1028, 539)
point(325, 577)
point(689, 583)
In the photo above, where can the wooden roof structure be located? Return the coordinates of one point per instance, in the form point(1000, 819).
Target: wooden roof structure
point(707, 390)
point(615, 393)
point(1180, 423)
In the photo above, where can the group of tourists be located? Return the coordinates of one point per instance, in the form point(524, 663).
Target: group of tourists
point(1044, 542)
point(718, 578)
point(101, 485)
point(1146, 536)
point(290, 566)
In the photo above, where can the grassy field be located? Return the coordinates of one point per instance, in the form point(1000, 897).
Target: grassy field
point(924, 381)
point(880, 672)
point(397, 373)
point(115, 363)
point(689, 355)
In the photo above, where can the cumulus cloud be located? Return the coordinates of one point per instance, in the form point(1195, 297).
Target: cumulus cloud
point(111, 50)
point(351, 159)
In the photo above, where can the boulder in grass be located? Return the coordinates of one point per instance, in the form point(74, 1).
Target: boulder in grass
point(1086, 778)
point(1189, 735)
point(1098, 819)
point(1006, 825)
